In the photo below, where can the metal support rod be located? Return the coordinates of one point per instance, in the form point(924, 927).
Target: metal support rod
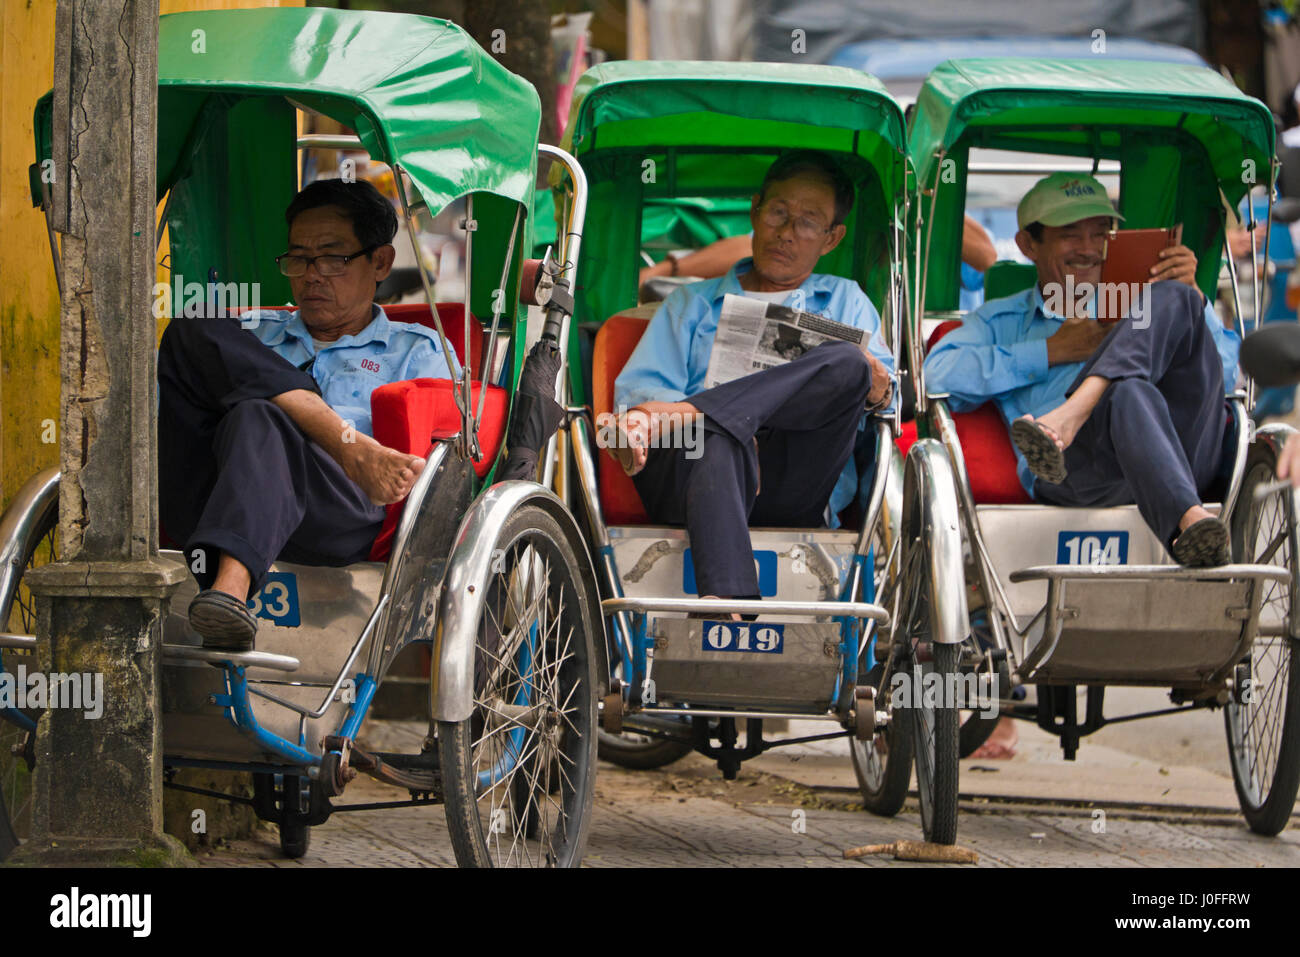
point(810, 609)
point(343, 672)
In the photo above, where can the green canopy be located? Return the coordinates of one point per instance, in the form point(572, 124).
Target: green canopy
point(649, 133)
point(418, 91)
point(1181, 134)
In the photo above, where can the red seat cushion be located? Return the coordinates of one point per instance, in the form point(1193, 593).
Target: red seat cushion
point(409, 415)
point(617, 337)
point(985, 445)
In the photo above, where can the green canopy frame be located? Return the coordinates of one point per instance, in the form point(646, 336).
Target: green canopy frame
point(1190, 145)
point(421, 95)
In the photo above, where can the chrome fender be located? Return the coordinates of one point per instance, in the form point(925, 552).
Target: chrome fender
point(451, 687)
point(18, 524)
point(932, 521)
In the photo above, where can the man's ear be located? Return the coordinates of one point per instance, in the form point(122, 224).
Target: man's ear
point(1027, 245)
point(834, 237)
point(754, 202)
point(383, 258)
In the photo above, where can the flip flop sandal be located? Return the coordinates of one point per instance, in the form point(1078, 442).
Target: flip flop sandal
point(1203, 544)
point(1044, 457)
point(223, 621)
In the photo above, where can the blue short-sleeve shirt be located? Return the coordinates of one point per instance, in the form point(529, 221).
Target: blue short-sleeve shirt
point(350, 368)
point(999, 353)
point(671, 361)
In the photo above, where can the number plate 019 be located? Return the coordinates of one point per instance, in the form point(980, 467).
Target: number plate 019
point(743, 636)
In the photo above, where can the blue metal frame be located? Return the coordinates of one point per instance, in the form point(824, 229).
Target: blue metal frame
point(515, 737)
point(13, 715)
point(239, 712)
point(851, 635)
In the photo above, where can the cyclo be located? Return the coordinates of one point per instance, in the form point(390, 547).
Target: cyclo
point(653, 132)
point(494, 580)
point(1070, 598)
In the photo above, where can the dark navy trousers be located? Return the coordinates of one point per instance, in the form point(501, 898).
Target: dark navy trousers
point(235, 474)
point(1157, 436)
point(804, 416)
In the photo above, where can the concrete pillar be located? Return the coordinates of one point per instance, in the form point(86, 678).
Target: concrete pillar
point(98, 783)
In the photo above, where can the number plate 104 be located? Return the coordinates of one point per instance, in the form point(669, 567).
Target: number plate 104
point(1092, 548)
point(743, 636)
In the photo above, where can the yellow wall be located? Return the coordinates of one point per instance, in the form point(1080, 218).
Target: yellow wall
point(29, 303)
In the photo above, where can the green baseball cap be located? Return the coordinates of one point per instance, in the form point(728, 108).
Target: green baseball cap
point(1064, 198)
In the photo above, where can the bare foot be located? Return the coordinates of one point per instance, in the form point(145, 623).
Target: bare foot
point(385, 475)
point(1193, 515)
point(1062, 424)
point(735, 616)
point(1001, 745)
point(629, 440)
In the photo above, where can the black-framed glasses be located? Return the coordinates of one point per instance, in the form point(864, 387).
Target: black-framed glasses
point(294, 266)
point(775, 215)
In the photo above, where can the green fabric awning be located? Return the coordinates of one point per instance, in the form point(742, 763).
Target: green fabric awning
point(417, 91)
point(1186, 140)
point(1064, 98)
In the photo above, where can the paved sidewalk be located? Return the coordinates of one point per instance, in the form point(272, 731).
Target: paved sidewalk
point(688, 816)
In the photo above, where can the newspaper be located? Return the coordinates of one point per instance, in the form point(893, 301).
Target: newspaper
point(754, 335)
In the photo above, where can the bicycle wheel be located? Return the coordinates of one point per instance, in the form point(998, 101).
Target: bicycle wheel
point(534, 719)
point(976, 727)
point(883, 765)
point(1263, 728)
point(640, 752)
point(16, 741)
point(934, 749)
point(643, 752)
point(928, 636)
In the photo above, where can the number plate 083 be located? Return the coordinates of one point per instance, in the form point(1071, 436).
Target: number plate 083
point(1092, 548)
point(278, 600)
point(743, 636)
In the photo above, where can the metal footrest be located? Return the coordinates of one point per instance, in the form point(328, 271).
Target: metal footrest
point(242, 659)
point(1155, 625)
point(726, 606)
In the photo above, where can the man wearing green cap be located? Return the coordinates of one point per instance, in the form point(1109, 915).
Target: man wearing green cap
point(1101, 414)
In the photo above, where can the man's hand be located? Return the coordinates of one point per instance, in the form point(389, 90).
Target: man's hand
point(1176, 262)
point(880, 381)
point(1288, 463)
point(1075, 341)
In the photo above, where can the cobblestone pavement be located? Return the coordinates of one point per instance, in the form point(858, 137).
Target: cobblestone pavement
point(687, 815)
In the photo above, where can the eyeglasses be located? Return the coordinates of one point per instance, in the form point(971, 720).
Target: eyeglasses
point(776, 215)
point(330, 265)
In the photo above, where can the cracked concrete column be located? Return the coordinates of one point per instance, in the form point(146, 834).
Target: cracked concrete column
point(98, 782)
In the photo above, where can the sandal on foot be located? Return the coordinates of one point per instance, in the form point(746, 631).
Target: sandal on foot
point(1043, 456)
point(1202, 544)
point(223, 621)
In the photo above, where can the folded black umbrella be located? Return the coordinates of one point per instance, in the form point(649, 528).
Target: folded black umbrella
point(535, 414)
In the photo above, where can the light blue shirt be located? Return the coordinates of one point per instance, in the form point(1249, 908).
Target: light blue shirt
point(350, 368)
point(1000, 352)
point(670, 362)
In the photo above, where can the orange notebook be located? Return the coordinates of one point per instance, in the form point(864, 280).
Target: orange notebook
point(1129, 256)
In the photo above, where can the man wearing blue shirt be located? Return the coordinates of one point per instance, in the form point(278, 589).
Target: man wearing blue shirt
point(1101, 414)
point(264, 444)
point(775, 443)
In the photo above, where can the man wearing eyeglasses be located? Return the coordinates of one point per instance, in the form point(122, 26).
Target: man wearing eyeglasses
point(264, 431)
point(778, 444)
